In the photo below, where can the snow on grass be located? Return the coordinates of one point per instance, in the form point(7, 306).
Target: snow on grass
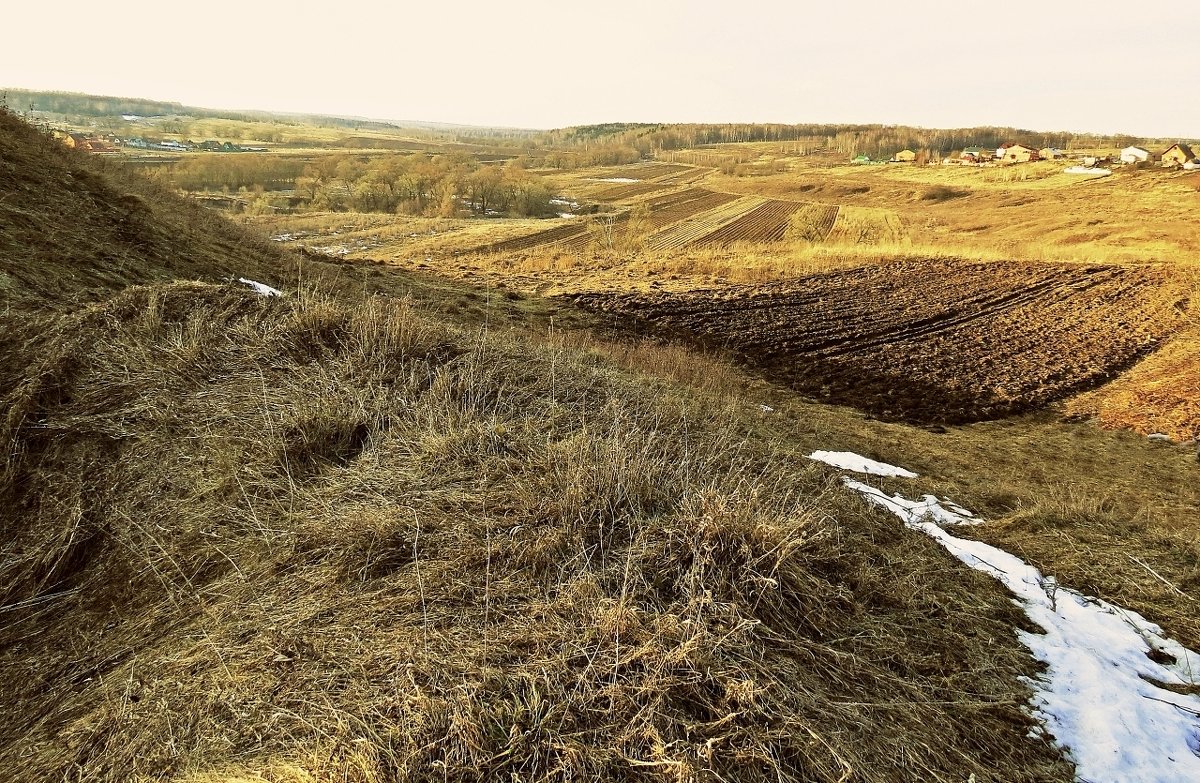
point(848, 460)
point(914, 512)
point(1101, 696)
point(261, 288)
point(625, 180)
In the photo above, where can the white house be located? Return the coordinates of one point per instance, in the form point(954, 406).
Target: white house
point(1134, 155)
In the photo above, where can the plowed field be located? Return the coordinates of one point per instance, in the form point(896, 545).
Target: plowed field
point(765, 224)
point(687, 232)
point(624, 192)
point(672, 208)
point(559, 233)
point(929, 341)
point(664, 211)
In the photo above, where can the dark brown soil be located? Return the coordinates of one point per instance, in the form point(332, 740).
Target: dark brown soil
point(930, 341)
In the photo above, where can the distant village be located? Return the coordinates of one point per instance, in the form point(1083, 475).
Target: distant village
point(1176, 156)
point(111, 144)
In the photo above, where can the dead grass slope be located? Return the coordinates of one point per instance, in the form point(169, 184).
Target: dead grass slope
point(71, 223)
point(292, 539)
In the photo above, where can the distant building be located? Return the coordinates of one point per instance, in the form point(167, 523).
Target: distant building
point(83, 143)
point(905, 156)
point(861, 158)
point(1134, 155)
point(1178, 155)
point(1051, 153)
point(1016, 153)
point(97, 146)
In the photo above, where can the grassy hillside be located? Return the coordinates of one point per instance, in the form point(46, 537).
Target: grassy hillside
point(70, 224)
point(251, 534)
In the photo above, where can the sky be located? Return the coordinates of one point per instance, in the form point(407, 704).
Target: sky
point(1098, 66)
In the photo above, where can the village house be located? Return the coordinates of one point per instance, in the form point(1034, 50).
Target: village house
point(861, 158)
point(1178, 155)
point(99, 146)
point(1016, 153)
point(974, 156)
point(1051, 153)
point(84, 143)
point(904, 156)
point(1134, 155)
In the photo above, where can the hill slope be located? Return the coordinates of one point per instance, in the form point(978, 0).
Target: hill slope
point(246, 532)
point(71, 224)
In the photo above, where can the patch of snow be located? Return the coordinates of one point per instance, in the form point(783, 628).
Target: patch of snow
point(914, 512)
point(260, 288)
point(766, 408)
point(282, 238)
point(1100, 696)
point(625, 180)
point(848, 460)
point(1086, 170)
point(1159, 436)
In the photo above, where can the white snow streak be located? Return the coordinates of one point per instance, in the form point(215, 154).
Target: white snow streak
point(848, 460)
point(261, 288)
point(1100, 696)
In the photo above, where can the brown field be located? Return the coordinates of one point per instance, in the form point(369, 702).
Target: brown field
point(559, 233)
point(625, 191)
point(930, 341)
point(690, 231)
point(768, 223)
point(663, 211)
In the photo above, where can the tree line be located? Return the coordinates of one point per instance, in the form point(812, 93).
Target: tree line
point(850, 139)
point(436, 185)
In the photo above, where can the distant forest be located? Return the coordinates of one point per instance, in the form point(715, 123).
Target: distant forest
point(80, 105)
point(873, 140)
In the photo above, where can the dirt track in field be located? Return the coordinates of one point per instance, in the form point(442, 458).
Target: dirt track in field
point(934, 341)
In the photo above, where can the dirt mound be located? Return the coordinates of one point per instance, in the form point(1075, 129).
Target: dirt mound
point(930, 340)
point(292, 539)
point(71, 224)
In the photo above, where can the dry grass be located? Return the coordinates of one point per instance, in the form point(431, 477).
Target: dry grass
point(71, 223)
point(305, 540)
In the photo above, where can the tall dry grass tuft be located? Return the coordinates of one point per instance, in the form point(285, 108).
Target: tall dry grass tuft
point(300, 540)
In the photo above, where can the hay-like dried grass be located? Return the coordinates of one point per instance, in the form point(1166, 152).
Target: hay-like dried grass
point(305, 540)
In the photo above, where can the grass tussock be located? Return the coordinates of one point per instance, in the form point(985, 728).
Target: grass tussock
point(943, 193)
point(296, 540)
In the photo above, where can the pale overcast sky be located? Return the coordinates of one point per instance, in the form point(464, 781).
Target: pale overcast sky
point(1072, 65)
